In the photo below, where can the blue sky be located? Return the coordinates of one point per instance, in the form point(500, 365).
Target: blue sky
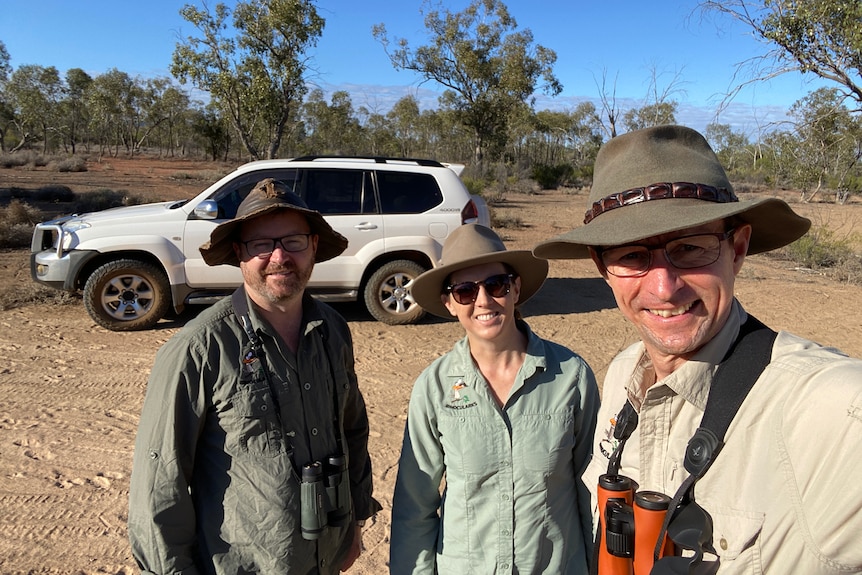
point(625, 40)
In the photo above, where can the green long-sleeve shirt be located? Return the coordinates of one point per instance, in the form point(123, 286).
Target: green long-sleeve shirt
point(513, 499)
point(214, 486)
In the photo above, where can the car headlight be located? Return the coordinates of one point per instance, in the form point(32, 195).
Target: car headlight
point(69, 230)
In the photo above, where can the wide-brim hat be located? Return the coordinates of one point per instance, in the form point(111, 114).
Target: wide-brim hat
point(471, 245)
point(664, 179)
point(267, 197)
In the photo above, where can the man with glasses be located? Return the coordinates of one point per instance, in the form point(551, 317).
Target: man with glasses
point(251, 455)
point(780, 494)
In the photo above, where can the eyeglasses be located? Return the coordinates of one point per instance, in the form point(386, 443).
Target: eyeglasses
point(495, 286)
point(685, 253)
point(263, 247)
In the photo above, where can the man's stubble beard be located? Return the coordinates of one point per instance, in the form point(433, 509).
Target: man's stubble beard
point(282, 290)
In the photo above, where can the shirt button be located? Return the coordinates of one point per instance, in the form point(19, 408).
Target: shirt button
point(313, 431)
point(723, 543)
point(504, 533)
point(307, 386)
point(263, 407)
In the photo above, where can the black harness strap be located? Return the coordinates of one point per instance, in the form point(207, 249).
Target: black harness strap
point(240, 307)
point(734, 378)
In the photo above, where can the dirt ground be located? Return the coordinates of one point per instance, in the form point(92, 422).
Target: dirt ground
point(71, 391)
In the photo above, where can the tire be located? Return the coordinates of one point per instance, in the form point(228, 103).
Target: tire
point(127, 295)
point(387, 293)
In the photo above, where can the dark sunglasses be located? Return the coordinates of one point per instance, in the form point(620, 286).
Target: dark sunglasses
point(495, 286)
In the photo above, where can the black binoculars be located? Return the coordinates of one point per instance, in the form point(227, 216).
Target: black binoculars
point(324, 496)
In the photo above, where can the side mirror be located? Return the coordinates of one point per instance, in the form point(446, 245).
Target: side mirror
point(207, 210)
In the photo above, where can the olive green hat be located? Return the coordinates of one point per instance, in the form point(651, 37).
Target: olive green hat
point(472, 245)
point(268, 196)
point(660, 180)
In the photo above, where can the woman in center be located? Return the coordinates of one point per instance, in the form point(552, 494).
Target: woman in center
point(498, 429)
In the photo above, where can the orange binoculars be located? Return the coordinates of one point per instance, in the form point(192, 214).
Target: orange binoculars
point(630, 523)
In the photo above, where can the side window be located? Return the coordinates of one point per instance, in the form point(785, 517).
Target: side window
point(407, 193)
point(231, 195)
point(334, 191)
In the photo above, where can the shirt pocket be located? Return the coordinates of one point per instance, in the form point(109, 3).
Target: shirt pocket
point(736, 537)
point(470, 445)
point(543, 442)
point(258, 426)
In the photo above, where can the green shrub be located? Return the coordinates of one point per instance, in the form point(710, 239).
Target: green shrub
point(54, 193)
point(506, 222)
point(73, 164)
point(551, 177)
point(13, 160)
point(32, 293)
point(16, 224)
point(103, 199)
point(819, 249)
point(474, 185)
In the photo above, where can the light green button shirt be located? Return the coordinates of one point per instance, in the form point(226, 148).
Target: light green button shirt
point(784, 493)
point(512, 502)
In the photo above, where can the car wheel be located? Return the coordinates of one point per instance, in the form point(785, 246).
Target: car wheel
point(387, 293)
point(127, 295)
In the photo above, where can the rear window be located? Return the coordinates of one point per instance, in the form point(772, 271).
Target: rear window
point(407, 193)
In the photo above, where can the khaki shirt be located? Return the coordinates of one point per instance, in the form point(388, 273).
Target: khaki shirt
point(513, 501)
point(214, 485)
point(785, 492)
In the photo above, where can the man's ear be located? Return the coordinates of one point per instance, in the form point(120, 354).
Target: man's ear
point(594, 255)
point(237, 249)
point(741, 240)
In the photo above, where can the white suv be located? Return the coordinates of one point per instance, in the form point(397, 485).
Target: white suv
point(134, 264)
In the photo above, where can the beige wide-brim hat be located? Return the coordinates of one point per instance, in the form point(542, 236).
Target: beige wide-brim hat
point(472, 245)
point(660, 180)
point(267, 197)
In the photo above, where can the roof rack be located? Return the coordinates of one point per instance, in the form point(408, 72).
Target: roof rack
point(376, 159)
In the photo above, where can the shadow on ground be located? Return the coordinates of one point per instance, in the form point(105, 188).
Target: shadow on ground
point(561, 296)
point(558, 296)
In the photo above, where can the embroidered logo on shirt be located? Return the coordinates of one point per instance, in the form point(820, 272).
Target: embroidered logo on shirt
point(609, 444)
point(458, 397)
point(251, 364)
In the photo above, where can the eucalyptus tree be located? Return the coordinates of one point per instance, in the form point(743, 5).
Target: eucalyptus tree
point(253, 70)
point(649, 115)
point(114, 103)
point(162, 107)
point(820, 37)
point(730, 146)
point(74, 115)
point(34, 93)
point(6, 115)
point(331, 128)
point(404, 123)
point(213, 130)
point(487, 67)
point(828, 137)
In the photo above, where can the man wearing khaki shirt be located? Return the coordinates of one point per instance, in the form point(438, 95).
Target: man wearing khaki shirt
point(669, 236)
